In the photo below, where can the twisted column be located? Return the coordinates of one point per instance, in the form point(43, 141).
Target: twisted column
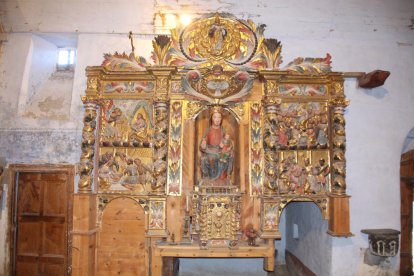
point(88, 147)
point(338, 185)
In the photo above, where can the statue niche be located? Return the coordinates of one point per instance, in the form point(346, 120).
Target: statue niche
point(216, 196)
point(216, 147)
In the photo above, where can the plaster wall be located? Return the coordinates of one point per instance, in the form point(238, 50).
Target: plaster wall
point(309, 241)
point(40, 64)
point(360, 36)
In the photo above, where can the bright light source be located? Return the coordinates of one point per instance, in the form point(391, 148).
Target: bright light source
point(66, 58)
point(63, 57)
point(185, 19)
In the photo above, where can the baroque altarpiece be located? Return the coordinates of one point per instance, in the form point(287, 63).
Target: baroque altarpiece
point(213, 138)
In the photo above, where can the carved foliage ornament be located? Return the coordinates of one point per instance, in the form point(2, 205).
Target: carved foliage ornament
point(217, 39)
point(217, 86)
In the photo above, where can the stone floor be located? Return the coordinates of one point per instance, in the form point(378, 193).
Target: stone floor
point(280, 270)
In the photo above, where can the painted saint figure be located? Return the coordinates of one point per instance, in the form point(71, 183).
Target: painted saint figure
point(139, 127)
point(216, 152)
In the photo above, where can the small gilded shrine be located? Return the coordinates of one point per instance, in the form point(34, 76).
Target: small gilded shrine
point(213, 138)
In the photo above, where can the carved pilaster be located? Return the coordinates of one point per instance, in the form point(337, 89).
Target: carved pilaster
point(256, 149)
point(88, 146)
point(338, 185)
point(175, 149)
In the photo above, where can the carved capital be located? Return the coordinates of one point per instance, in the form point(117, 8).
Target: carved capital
point(270, 87)
point(339, 102)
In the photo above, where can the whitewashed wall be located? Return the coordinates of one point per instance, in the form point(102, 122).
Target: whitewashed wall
point(360, 36)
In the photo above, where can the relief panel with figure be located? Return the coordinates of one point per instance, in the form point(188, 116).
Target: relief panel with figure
point(125, 157)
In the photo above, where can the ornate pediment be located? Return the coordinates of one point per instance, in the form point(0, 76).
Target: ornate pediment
point(218, 39)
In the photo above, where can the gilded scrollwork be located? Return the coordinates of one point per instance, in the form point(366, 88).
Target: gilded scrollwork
point(239, 110)
point(92, 84)
point(219, 37)
point(338, 88)
point(217, 86)
point(193, 108)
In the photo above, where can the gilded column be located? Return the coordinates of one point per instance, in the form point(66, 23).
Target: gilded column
point(88, 146)
point(160, 147)
point(161, 104)
point(271, 162)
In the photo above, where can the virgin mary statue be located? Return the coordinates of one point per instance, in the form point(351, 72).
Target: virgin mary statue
point(217, 152)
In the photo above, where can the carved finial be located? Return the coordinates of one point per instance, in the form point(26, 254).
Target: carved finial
point(132, 41)
point(217, 19)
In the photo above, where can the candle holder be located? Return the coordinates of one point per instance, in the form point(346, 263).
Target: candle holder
point(186, 232)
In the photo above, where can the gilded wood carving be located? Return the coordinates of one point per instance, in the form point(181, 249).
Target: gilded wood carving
point(216, 124)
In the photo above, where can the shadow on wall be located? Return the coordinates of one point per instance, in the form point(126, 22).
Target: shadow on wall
point(378, 93)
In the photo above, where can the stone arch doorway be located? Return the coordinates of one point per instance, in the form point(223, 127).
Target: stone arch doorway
point(406, 191)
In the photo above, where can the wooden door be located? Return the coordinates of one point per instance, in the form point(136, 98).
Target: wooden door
point(406, 190)
point(121, 248)
point(41, 219)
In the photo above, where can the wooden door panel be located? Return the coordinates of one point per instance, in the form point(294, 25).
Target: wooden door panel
point(56, 195)
point(54, 239)
point(27, 268)
point(27, 237)
point(54, 269)
point(29, 196)
point(121, 246)
point(41, 216)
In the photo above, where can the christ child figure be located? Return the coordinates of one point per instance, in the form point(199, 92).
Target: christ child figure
point(226, 148)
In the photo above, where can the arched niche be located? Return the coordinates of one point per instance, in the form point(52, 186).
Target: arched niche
point(231, 126)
